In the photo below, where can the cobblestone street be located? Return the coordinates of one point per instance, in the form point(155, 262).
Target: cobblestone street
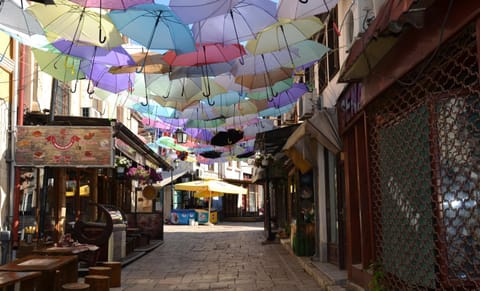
point(227, 256)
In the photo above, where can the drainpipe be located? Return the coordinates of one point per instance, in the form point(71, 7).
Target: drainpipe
point(14, 177)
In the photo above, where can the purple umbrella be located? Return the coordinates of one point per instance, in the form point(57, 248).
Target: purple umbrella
point(289, 96)
point(103, 79)
point(117, 56)
point(241, 22)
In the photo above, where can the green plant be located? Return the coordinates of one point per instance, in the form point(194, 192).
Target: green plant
point(378, 276)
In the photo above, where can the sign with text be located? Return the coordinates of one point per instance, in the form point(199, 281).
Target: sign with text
point(70, 146)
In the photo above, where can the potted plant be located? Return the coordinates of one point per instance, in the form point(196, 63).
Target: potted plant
point(138, 173)
point(121, 163)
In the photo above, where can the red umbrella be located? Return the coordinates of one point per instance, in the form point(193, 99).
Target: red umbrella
point(209, 53)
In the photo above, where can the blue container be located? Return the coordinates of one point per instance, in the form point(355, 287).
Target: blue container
point(182, 216)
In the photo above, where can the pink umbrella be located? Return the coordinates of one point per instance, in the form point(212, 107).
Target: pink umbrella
point(205, 54)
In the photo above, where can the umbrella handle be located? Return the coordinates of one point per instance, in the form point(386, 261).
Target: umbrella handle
point(90, 90)
point(146, 102)
point(74, 87)
point(208, 92)
point(100, 38)
point(211, 103)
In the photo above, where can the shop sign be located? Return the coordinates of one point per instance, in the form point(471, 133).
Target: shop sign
point(72, 146)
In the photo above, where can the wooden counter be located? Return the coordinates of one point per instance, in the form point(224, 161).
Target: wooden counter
point(26, 280)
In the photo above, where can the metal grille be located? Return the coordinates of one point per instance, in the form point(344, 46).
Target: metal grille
point(424, 136)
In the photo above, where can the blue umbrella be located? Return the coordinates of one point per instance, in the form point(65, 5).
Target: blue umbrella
point(154, 109)
point(154, 26)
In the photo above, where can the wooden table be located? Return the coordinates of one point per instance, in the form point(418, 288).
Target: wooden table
point(55, 270)
point(27, 280)
point(86, 253)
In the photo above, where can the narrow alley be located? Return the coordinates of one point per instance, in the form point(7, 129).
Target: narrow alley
point(227, 256)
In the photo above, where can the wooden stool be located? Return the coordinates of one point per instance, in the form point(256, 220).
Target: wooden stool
point(76, 286)
point(99, 270)
point(98, 282)
point(116, 273)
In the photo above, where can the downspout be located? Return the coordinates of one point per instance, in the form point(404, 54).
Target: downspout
point(14, 177)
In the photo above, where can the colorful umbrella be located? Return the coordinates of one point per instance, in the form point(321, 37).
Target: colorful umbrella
point(116, 56)
point(283, 34)
point(154, 109)
point(152, 62)
point(205, 54)
point(304, 8)
point(190, 11)
point(284, 98)
point(229, 137)
point(101, 78)
point(170, 143)
point(15, 18)
point(241, 22)
point(210, 70)
point(77, 23)
point(110, 4)
point(181, 92)
point(62, 67)
point(264, 79)
point(154, 26)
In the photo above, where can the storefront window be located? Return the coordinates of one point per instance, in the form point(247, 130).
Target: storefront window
point(78, 193)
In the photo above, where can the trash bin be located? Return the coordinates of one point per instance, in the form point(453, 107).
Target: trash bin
point(213, 216)
point(202, 216)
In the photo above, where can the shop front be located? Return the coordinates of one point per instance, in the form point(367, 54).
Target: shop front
point(68, 177)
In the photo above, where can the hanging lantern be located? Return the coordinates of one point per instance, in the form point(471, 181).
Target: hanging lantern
point(180, 135)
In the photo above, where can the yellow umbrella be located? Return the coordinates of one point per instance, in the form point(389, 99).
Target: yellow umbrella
point(210, 188)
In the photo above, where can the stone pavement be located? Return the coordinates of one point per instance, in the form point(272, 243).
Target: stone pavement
point(226, 256)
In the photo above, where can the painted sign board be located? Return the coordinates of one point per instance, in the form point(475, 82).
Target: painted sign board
point(64, 146)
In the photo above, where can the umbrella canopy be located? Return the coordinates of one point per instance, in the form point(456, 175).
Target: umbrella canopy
point(170, 143)
point(182, 92)
point(241, 22)
point(229, 137)
point(209, 53)
point(284, 98)
point(77, 23)
point(14, 17)
point(116, 56)
point(101, 78)
point(154, 26)
point(152, 62)
point(111, 4)
point(283, 34)
point(190, 11)
point(210, 70)
point(62, 67)
point(265, 79)
point(300, 9)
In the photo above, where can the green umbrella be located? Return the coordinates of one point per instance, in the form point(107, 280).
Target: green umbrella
point(58, 65)
point(169, 143)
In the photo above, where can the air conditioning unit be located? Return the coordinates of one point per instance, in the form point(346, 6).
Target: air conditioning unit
point(306, 105)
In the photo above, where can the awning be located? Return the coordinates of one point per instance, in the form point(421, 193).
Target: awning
point(322, 126)
point(167, 179)
point(381, 36)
